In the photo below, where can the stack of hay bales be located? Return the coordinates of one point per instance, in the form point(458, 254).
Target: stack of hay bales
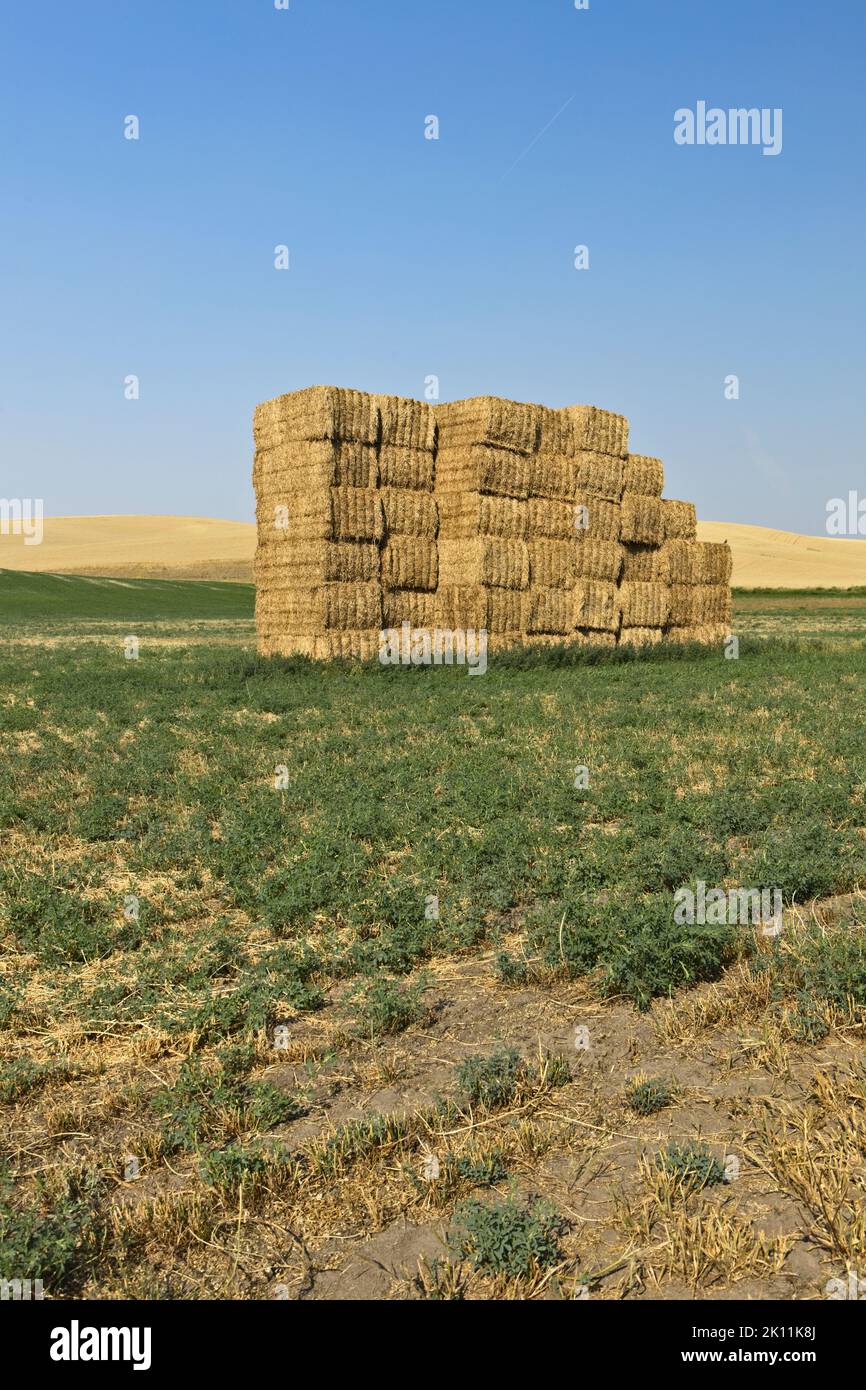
point(536, 525)
point(482, 489)
point(320, 523)
point(409, 561)
point(645, 585)
point(575, 556)
point(700, 578)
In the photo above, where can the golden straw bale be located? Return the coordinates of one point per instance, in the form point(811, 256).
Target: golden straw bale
point(409, 606)
point(317, 463)
point(315, 562)
point(504, 610)
point(707, 635)
point(482, 468)
point(406, 468)
point(486, 560)
point(409, 513)
point(595, 605)
point(640, 636)
point(337, 513)
point(556, 433)
point(700, 605)
point(488, 420)
point(716, 562)
point(311, 611)
point(318, 412)
point(680, 520)
point(600, 431)
point(644, 475)
point(548, 611)
point(463, 515)
point(642, 519)
point(685, 561)
point(410, 562)
point(644, 604)
point(587, 517)
point(645, 564)
point(407, 423)
point(460, 606)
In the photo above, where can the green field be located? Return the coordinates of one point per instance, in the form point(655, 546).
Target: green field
point(200, 847)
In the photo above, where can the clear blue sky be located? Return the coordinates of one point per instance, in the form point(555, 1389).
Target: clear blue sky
point(412, 257)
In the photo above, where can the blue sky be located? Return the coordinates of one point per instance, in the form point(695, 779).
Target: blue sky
point(413, 257)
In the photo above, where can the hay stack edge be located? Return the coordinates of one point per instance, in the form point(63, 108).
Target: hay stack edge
point(536, 525)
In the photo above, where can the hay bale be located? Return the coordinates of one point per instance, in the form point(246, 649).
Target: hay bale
point(706, 635)
point(410, 562)
point(646, 564)
point(596, 606)
point(558, 478)
point(680, 520)
point(685, 561)
point(716, 562)
point(487, 560)
point(330, 514)
point(311, 611)
point(460, 606)
point(463, 515)
point(482, 468)
point(549, 611)
point(556, 433)
point(314, 563)
point(641, 519)
point(600, 431)
point(409, 513)
point(406, 423)
point(557, 564)
point(406, 468)
point(488, 420)
point(318, 412)
point(408, 606)
point(644, 604)
point(644, 475)
point(588, 517)
point(318, 463)
point(711, 605)
point(640, 636)
point(504, 610)
point(700, 605)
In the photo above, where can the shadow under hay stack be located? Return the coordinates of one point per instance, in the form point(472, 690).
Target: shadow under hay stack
point(534, 524)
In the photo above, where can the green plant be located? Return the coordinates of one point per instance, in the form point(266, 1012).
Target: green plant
point(507, 1237)
point(646, 1096)
point(694, 1166)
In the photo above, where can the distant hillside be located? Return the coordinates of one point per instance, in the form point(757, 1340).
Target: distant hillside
point(185, 547)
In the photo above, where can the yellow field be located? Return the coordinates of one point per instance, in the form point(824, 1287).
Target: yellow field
point(186, 547)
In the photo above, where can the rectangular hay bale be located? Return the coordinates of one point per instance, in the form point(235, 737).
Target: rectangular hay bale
point(463, 515)
point(487, 560)
point(483, 468)
point(644, 474)
point(488, 420)
point(644, 603)
point(409, 562)
point(680, 520)
point(317, 412)
point(642, 519)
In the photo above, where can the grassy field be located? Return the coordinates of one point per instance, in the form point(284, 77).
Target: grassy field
point(331, 982)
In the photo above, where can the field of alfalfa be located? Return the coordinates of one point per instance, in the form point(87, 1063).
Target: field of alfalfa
point(330, 982)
